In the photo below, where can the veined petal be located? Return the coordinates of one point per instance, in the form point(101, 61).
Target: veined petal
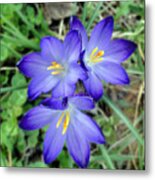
point(63, 89)
point(119, 50)
point(72, 46)
point(112, 73)
point(41, 84)
point(75, 24)
point(32, 65)
point(90, 128)
point(82, 102)
point(101, 34)
point(53, 142)
point(75, 73)
point(93, 86)
point(78, 146)
point(37, 117)
point(51, 49)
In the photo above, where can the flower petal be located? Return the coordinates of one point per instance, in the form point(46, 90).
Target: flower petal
point(41, 84)
point(75, 73)
point(63, 89)
point(72, 45)
point(82, 102)
point(78, 146)
point(112, 73)
point(101, 34)
point(93, 86)
point(51, 49)
point(53, 142)
point(75, 24)
point(56, 103)
point(37, 117)
point(119, 50)
point(32, 65)
point(90, 128)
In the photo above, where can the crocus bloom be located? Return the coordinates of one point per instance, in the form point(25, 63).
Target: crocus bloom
point(54, 67)
point(102, 57)
point(66, 124)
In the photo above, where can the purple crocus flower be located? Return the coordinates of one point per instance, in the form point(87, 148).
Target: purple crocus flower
point(66, 124)
point(102, 57)
point(55, 68)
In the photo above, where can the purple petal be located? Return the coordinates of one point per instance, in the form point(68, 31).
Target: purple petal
point(82, 102)
point(63, 89)
point(90, 128)
point(53, 142)
point(55, 103)
point(51, 49)
point(78, 146)
point(111, 73)
point(72, 45)
point(93, 86)
point(119, 50)
point(75, 24)
point(32, 65)
point(75, 73)
point(101, 34)
point(41, 84)
point(37, 117)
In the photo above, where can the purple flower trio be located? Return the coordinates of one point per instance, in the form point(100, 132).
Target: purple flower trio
point(57, 69)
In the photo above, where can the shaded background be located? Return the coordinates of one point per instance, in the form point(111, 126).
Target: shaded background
point(120, 113)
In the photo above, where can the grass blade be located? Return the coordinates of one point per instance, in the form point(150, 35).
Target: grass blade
point(124, 119)
point(95, 14)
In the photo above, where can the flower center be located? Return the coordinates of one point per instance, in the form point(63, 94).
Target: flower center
point(96, 56)
point(56, 68)
point(65, 117)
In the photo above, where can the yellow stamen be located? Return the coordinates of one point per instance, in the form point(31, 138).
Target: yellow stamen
point(93, 52)
point(54, 63)
point(96, 56)
point(55, 72)
point(57, 67)
point(60, 120)
point(66, 122)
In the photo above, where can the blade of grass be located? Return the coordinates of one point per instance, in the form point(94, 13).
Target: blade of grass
point(9, 89)
point(94, 15)
point(84, 13)
point(15, 32)
point(16, 54)
point(115, 157)
point(24, 19)
point(106, 157)
point(124, 119)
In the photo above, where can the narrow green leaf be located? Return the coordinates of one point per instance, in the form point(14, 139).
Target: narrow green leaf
point(106, 157)
point(9, 89)
point(94, 15)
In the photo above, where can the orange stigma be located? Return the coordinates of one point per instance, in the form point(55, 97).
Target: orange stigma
point(96, 56)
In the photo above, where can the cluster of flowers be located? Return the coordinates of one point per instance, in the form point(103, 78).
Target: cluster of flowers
point(57, 68)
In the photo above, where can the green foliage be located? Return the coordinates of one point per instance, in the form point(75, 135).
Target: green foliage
point(120, 113)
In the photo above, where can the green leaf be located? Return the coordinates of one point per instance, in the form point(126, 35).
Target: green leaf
point(21, 144)
point(18, 80)
point(3, 161)
point(3, 53)
point(3, 79)
point(18, 97)
point(33, 138)
point(37, 165)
